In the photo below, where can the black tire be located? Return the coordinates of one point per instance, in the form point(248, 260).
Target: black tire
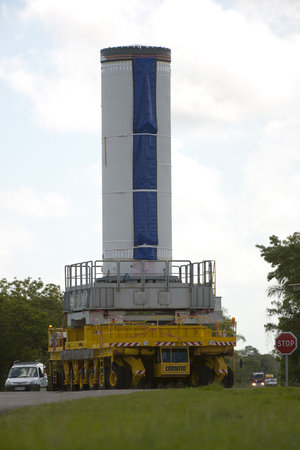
point(82, 385)
point(115, 379)
point(201, 376)
point(60, 380)
point(207, 376)
point(127, 376)
point(148, 381)
point(228, 380)
point(91, 383)
point(194, 379)
point(72, 385)
point(102, 379)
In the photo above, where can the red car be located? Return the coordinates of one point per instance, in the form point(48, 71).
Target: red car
point(258, 379)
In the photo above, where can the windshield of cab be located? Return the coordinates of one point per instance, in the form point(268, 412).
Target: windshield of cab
point(176, 355)
point(258, 375)
point(22, 372)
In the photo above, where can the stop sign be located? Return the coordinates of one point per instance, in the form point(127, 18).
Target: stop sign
point(286, 343)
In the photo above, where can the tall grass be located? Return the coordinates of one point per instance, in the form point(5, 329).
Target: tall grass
point(202, 418)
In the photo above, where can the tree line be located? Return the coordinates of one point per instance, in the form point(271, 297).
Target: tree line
point(27, 308)
point(284, 258)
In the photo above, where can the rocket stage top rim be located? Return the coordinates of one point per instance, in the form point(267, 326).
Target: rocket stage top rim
point(134, 51)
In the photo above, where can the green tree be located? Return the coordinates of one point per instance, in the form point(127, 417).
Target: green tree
point(284, 257)
point(27, 307)
point(249, 351)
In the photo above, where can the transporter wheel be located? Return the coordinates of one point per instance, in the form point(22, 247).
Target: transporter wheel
point(228, 380)
point(82, 385)
point(91, 378)
point(102, 379)
point(61, 380)
point(115, 377)
point(127, 376)
point(195, 376)
point(72, 385)
point(201, 376)
point(148, 381)
point(207, 376)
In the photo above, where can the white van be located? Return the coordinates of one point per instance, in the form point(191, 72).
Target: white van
point(27, 376)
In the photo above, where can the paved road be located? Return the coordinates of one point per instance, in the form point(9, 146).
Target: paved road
point(13, 400)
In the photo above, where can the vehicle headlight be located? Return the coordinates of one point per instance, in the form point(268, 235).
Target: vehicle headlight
point(253, 384)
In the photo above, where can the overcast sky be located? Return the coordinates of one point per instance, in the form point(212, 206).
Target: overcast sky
point(235, 134)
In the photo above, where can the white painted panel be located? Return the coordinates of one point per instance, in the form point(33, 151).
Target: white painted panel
point(164, 223)
point(118, 225)
point(117, 165)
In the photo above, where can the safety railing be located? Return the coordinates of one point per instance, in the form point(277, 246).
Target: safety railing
point(79, 275)
point(204, 273)
point(85, 274)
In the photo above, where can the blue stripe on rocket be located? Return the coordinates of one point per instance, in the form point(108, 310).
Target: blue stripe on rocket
point(144, 159)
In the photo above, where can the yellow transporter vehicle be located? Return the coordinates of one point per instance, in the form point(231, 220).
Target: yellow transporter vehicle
point(138, 317)
point(119, 350)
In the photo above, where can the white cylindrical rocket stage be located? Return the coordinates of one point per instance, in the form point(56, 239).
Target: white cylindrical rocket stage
point(136, 157)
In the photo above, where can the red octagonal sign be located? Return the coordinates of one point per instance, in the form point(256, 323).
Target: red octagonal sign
point(286, 343)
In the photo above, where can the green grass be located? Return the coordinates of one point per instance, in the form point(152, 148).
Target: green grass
point(202, 418)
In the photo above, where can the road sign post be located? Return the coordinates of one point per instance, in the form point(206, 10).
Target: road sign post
point(286, 344)
point(286, 370)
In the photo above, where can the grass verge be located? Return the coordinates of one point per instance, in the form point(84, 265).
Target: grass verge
point(207, 418)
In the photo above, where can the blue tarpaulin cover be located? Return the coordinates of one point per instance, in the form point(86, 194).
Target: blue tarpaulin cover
point(145, 218)
point(144, 158)
point(145, 253)
point(144, 162)
point(144, 81)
